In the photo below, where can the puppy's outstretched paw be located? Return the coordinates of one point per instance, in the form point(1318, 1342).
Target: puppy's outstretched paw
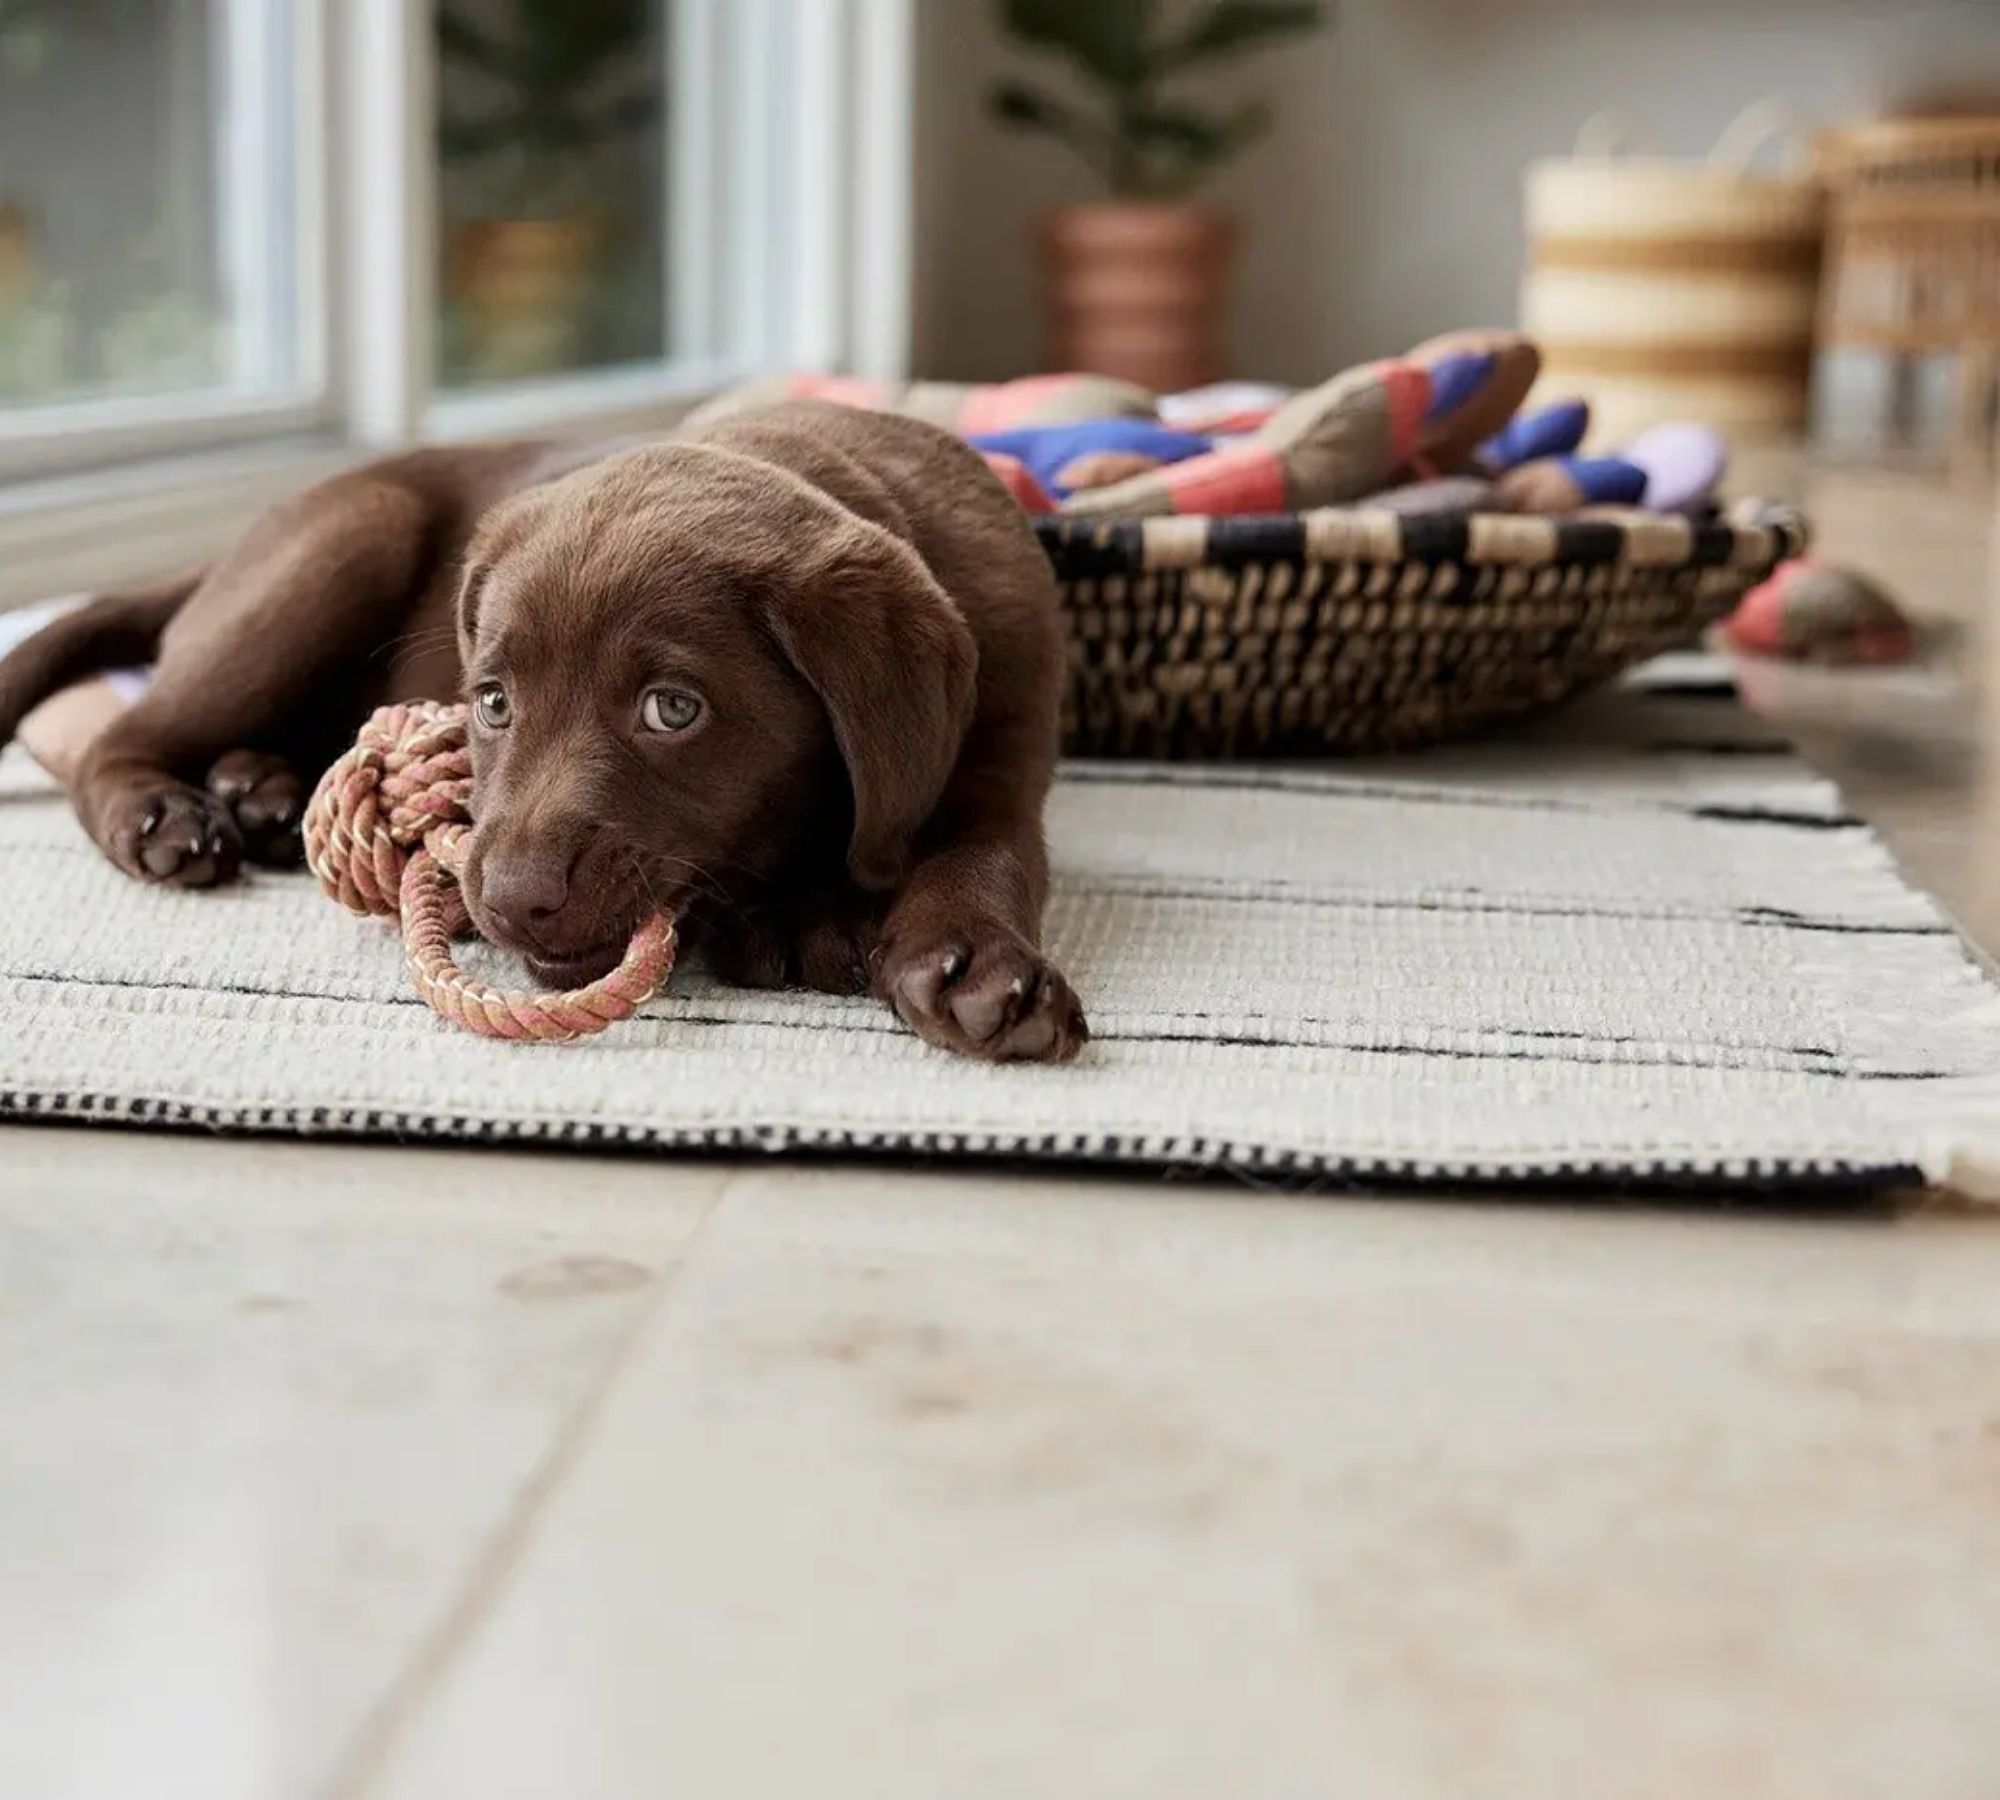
point(984, 992)
point(174, 835)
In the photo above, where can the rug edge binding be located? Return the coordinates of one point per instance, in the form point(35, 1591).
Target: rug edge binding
point(1194, 1156)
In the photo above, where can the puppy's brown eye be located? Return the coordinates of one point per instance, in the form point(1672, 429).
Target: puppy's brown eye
point(495, 710)
point(670, 709)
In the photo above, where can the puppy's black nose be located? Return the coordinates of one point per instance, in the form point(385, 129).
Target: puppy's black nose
point(524, 892)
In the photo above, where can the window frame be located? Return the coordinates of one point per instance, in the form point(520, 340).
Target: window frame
point(64, 436)
point(366, 242)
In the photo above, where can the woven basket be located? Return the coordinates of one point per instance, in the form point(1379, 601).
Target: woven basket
point(1664, 288)
point(1351, 630)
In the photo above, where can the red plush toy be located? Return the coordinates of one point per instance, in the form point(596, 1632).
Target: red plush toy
point(1812, 611)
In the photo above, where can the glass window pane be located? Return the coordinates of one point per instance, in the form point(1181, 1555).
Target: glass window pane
point(552, 215)
point(145, 199)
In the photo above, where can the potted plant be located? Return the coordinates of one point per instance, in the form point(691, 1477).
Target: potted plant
point(1137, 283)
point(567, 80)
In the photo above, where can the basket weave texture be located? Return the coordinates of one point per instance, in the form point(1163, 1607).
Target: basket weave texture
point(1356, 630)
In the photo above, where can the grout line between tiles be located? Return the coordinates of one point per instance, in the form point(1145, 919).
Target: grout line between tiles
point(373, 1745)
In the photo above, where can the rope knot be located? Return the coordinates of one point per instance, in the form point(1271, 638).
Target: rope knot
point(408, 775)
point(385, 833)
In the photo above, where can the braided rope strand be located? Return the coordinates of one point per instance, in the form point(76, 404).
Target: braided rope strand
point(386, 833)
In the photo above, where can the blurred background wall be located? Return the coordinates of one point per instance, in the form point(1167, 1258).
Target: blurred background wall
point(1386, 205)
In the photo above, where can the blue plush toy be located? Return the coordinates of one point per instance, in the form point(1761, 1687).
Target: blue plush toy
point(1093, 453)
point(1056, 455)
point(1557, 430)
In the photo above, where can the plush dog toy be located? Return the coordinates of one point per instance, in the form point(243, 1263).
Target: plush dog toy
point(1811, 611)
point(1335, 442)
point(1356, 435)
point(1438, 428)
point(1536, 468)
point(1482, 379)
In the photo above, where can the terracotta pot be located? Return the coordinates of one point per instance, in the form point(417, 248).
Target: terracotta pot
point(1138, 292)
point(523, 286)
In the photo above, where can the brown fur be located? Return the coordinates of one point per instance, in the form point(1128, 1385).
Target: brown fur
point(854, 602)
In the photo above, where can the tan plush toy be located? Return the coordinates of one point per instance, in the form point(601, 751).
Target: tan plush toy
point(1333, 443)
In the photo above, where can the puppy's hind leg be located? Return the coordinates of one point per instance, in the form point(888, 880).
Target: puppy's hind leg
point(152, 824)
point(114, 628)
point(261, 660)
point(160, 828)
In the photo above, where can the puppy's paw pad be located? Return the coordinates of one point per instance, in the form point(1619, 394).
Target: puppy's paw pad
point(175, 836)
point(996, 998)
point(267, 798)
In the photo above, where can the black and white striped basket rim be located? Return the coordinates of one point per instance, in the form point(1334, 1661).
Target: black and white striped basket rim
point(1754, 538)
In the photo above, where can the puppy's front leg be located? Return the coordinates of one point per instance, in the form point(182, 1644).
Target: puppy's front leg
point(960, 958)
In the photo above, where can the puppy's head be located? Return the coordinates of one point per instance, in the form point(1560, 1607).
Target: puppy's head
point(684, 668)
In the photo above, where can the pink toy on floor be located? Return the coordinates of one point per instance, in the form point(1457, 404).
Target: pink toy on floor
point(1812, 611)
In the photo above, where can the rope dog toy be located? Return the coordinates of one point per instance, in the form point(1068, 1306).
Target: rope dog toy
point(386, 832)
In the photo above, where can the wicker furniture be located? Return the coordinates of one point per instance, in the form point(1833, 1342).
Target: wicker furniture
point(1355, 630)
point(1914, 256)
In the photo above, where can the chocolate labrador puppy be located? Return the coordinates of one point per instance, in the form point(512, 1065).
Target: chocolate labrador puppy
point(792, 675)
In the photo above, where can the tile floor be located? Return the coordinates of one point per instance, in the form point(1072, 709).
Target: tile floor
point(370, 1473)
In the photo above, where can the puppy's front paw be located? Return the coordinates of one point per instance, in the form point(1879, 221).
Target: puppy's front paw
point(823, 944)
point(984, 992)
point(170, 833)
point(267, 798)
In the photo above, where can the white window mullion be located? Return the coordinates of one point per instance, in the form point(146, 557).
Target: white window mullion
point(821, 92)
point(881, 267)
point(315, 308)
point(697, 163)
point(390, 157)
point(274, 82)
point(255, 175)
point(753, 222)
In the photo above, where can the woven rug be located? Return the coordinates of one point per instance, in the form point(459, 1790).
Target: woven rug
point(1643, 945)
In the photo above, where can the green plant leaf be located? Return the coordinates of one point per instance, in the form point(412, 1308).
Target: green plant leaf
point(468, 140)
point(572, 72)
point(1177, 147)
point(1111, 40)
point(629, 112)
point(1016, 103)
point(1198, 136)
point(1248, 123)
point(460, 40)
point(1230, 27)
point(1023, 108)
point(1178, 131)
point(551, 53)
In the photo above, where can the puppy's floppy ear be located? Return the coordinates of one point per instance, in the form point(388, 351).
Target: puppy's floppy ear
point(502, 530)
point(471, 587)
point(891, 658)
